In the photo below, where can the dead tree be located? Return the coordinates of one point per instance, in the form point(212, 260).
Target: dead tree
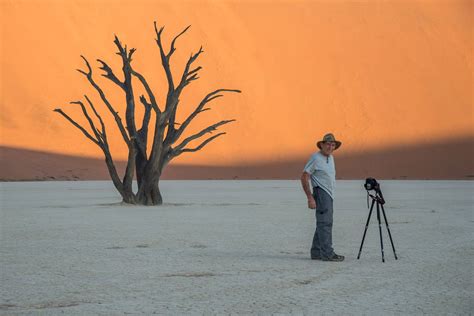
point(167, 143)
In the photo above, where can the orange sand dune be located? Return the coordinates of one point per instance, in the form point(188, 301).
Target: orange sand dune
point(377, 73)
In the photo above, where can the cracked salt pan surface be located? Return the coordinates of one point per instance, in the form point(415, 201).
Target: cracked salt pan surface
point(232, 247)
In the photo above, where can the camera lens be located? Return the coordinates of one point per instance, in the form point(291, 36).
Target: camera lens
point(370, 184)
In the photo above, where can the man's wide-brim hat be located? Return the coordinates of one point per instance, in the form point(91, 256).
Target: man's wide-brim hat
point(329, 138)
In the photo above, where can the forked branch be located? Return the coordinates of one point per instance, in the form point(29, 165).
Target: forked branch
point(109, 74)
point(199, 109)
point(164, 61)
point(204, 143)
point(203, 132)
point(103, 133)
point(114, 113)
point(172, 49)
point(82, 129)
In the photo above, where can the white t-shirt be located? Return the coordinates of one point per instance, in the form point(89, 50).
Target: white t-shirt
point(323, 172)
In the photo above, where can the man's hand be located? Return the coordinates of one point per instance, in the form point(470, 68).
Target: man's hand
point(304, 183)
point(311, 203)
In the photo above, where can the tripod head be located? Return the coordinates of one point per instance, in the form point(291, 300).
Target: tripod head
point(372, 184)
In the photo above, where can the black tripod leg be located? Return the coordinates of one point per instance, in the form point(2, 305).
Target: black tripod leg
point(366, 226)
point(380, 231)
point(389, 234)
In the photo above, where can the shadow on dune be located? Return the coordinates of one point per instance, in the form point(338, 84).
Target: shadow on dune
point(447, 160)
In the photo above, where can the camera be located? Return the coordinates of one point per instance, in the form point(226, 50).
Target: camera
point(371, 184)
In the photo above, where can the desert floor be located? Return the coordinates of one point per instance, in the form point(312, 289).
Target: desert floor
point(232, 247)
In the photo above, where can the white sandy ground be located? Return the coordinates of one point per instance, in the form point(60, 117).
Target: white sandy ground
point(232, 247)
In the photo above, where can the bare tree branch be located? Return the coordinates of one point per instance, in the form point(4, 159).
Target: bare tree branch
point(172, 99)
point(103, 133)
point(164, 61)
point(122, 50)
point(129, 57)
point(110, 74)
point(202, 144)
point(157, 146)
point(176, 152)
point(150, 93)
point(112, 170)
point(189, 76)
point(200, 108)
point(128, 177)
point(171, 107)
point(88, 67)
point(91, 123)
point(145, 103)
point(194, 70)
point(138, 139)
point(143, 131)
point(82, 129)
point(203, 132)
point(172, 49)
point(128, 88)
point(117, 118)
point(105, 148)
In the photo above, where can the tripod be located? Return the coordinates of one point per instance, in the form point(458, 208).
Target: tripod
point(378, 198)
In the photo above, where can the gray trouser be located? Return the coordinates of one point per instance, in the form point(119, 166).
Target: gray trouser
point(322, 240)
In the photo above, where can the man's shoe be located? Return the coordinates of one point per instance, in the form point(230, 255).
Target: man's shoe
point(334, 257)
point(316, 258)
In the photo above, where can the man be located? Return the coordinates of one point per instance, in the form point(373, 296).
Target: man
point(322, 172)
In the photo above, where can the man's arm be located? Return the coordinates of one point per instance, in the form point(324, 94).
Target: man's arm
point(305, 183)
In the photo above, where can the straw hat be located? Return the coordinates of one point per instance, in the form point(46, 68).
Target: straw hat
point(329, 138)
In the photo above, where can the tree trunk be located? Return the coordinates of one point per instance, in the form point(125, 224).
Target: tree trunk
point(129, 197)
point(140, 165)
point(156, 194)
point(149, 191)
point(151, 195)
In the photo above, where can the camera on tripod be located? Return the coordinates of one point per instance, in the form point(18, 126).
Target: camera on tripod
point(379, 201)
